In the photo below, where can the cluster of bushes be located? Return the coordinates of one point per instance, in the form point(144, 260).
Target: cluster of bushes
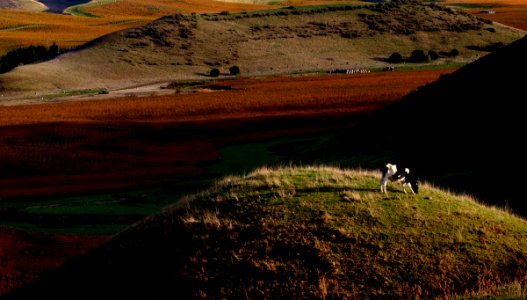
point(291, 10)
point(408, 17)
point(215, 72)
point(419, 56)
point(27, 55)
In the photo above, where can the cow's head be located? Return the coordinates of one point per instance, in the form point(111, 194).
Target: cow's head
point(415, 186)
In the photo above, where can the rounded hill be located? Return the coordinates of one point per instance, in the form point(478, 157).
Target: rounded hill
point(309, 233)
point(280, 41)
point(28, 5)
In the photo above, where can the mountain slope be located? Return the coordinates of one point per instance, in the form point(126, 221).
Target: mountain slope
point(28, 5)
point(463, 131)
point(280, 41)
point(305, 233)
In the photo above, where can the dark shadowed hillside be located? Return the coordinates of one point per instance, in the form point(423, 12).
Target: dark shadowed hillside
point(466, 131)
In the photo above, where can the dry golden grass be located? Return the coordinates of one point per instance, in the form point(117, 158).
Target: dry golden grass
point(21, 28)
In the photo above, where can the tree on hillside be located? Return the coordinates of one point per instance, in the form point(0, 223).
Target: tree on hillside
point(419, 56)
point(396, 58)
point(27, 55)
point(234, 70)
point(53, 50)
point(433, 55)
point(214, 72)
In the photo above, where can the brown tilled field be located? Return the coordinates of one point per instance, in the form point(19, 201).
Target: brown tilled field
point(509, 12)
point(512, 15)
point(79, 146)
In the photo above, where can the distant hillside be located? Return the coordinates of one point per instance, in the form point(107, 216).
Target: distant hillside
point(28, 5)
point(288, 40)
point(463, 131)
point(308, 233)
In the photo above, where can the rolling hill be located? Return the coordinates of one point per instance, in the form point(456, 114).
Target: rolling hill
point(81, 23)
point(28, 5)
point(309, 233)
point(463, 131)
point(283, 41)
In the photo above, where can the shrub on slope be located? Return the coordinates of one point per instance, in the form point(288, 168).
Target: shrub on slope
point(309, 233)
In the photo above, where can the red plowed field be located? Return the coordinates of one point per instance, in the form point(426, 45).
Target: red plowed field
point(92, 145)
point(514, 16)
point(509, 12)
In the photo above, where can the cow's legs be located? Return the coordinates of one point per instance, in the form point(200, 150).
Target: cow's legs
point(384, 181)
point(410, 185)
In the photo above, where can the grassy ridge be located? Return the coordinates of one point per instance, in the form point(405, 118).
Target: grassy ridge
point(332, 233)
point(309, 233)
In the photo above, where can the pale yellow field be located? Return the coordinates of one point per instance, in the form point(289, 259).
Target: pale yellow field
point(40, 28)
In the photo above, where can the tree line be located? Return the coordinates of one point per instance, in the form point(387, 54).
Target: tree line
point(27, 55)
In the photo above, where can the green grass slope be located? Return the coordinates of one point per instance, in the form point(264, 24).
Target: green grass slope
point(282, 41)
point(304, 233)
point(463, 131)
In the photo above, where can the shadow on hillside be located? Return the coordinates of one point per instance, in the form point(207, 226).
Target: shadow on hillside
point(380, 59)
point(461, 132)
point(58, 6)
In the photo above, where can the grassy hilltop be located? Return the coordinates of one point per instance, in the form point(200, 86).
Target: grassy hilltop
point(310, 233)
